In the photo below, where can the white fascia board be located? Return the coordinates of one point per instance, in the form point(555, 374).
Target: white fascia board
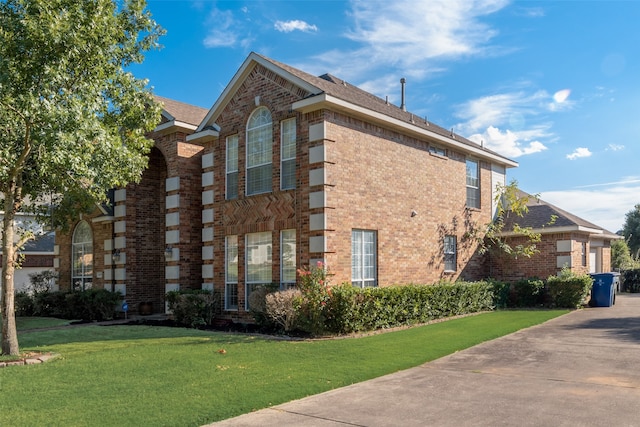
point(554, 230)
point(103, 218)
point(175, 123)
point(242, 73)
point(329, 102)
point(167, 116)
point(203, 136)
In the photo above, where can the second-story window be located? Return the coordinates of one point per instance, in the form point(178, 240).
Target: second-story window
point(259, 152)
point(232, 167)
point(473, 184)
point(288, 153)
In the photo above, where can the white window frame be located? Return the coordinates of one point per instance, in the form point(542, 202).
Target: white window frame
point(288, 263)
point(473, 183)
point(364, 254)
point(288, 154)
point(231, 167)
point(230, 266)
point(259, 152)
point(82, 257)
point(437, 151)
point(450, 253)
point(258, 247)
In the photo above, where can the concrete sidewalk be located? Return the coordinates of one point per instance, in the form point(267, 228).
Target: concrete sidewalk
point(581, 369)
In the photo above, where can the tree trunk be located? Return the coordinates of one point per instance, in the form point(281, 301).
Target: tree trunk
point(7, 307)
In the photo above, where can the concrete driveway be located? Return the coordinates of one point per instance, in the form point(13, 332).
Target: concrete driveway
point(581, 369)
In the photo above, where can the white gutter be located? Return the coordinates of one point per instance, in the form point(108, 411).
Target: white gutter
point(175, 123)
point(324, 100)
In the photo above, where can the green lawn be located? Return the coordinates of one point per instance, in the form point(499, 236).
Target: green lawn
point(26, 323)
point(156, 376)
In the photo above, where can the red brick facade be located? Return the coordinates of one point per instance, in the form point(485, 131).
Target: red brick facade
point(355, 170)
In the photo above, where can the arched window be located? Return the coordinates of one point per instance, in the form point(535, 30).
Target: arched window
point(259, 152)
point(82, 257)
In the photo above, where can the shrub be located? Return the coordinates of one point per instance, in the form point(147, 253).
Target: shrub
point(352, 309)
point(89, 305)
point(51, 304)
point(194, 308)
point(315, 293)
point(501, 292)
point(281, 308)
point(258, 306)
point(568, 290)
point(42, 281)
point(631, 280)
point(24, 304)
point(527, 293)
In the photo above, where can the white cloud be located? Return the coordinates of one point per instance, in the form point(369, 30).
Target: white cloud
point(506, 123)
point(615, 147)
point(416, 37)
point(508, 143)
point(561, 100)
point(605, 206)
point(222, 32)
point(579, 152)
point(294, 25)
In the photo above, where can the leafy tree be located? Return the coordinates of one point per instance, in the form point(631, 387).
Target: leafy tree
point(72, 119)
point(621, 256)
point(631, 230)
point(511, 205)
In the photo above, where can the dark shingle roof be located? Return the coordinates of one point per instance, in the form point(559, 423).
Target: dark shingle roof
point(340, 89)
point(182, 112)
point(42, 243)
point(540, 214)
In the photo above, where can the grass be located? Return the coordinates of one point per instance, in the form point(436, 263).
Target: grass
point(156, 376)
point(26, 323)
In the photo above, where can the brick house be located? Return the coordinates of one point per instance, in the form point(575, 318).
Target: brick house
point(566, 241)
point(284, 170)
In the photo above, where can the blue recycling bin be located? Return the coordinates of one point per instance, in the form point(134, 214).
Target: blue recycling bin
point(603, 291)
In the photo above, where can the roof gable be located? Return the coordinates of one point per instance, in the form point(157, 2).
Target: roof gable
point(540, 215)
point(328, 91)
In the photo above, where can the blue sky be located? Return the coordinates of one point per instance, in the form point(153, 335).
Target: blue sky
point(553, 85)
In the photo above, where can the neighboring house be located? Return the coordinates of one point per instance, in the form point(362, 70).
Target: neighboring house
point(287, 169)
point(38, 254)
point(566, 241)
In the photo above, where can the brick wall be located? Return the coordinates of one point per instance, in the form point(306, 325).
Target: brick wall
point(375, 178)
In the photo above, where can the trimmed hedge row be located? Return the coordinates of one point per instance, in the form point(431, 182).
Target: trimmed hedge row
point(353, 309)
point(88, 305)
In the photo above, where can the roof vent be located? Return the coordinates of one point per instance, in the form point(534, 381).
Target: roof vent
point(403, 106)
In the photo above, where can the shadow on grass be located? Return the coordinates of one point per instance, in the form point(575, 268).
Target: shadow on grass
point(94, 332)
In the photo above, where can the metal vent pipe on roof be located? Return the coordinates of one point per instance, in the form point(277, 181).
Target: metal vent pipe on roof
point(402, 104)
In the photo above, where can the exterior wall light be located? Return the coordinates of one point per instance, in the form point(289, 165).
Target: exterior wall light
point(168, 252)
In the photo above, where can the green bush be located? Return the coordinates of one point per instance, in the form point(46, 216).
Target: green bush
point(352, 309)
point(568, 290)
point(527, 293)
point(88, 305)
point(631, 280)
point(501, 292)
point(24, 304)
point(194, 308)
point(258, 306)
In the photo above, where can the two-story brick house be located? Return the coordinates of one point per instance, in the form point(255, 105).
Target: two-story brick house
point(284, 170)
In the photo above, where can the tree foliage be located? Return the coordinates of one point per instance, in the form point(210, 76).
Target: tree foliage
point(631, 230)
point(72, 118)
point(512, 204)
point(621, 258)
